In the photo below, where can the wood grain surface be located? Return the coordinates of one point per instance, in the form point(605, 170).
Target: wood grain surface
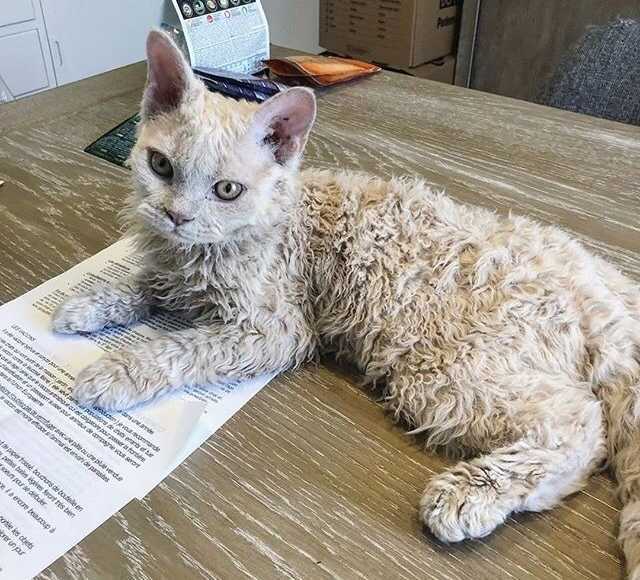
point(310, 479)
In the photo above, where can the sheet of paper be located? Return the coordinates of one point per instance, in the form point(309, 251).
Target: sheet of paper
point(224, 34)
point(65, 469)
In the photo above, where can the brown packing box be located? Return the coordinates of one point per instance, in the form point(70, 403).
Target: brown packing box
point(441, 70)
point(401, 33)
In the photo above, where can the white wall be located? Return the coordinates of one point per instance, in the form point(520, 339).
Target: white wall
point(294, 23)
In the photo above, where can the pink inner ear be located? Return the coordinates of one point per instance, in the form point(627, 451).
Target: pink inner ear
point(296, 121)
point(285, 142)
point(286, 120)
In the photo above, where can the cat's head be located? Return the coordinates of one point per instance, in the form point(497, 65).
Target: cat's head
point(209, 169)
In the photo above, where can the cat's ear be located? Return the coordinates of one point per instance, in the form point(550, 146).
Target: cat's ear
point(283, 122)
point(169, 77)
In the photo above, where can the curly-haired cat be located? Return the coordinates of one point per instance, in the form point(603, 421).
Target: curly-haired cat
point(499, 338)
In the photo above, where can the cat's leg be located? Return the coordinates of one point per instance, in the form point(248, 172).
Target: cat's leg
point(559, 442)
point(202, 356)
point(102, 306)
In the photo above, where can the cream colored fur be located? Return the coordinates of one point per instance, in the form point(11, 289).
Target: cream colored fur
point(502, 340)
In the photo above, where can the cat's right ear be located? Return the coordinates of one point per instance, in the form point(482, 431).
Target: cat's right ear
point(284, 121)
point(169, 77)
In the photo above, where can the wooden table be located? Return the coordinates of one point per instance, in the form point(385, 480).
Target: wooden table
point(311, 480)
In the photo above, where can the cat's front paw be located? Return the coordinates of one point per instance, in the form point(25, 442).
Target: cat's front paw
point(117, 381)
point(462, 503)
point(78, 314)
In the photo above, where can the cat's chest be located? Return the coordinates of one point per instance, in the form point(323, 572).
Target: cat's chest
point(227, 283)
point(193, 295)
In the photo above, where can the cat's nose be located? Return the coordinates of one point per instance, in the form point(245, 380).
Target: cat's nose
point(176, 217)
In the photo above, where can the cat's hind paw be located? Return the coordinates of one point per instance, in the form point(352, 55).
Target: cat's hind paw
point(116, 382)
point(78, 314)
point(461, 504)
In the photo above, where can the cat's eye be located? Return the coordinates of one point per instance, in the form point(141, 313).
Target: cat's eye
point(228, 190)
point(160, 165)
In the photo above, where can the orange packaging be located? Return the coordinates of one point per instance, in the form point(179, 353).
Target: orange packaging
point(321, 71)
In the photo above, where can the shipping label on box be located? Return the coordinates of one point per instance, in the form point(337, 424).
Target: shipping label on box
point(393, 32)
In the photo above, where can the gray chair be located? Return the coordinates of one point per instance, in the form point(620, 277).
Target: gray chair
point(601, 75)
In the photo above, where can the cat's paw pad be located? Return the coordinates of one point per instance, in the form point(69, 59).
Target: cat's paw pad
point(456, 505)
point(77, 314)
point(114, 382)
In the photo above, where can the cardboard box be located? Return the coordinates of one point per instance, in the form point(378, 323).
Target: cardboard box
point(401, 33)
point(441, 70)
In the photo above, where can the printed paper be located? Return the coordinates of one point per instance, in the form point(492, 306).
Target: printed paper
point(64, 469)
point(232, 35)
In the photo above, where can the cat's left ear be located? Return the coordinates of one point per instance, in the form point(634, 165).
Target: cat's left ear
point(169, 77)
point(284, 121)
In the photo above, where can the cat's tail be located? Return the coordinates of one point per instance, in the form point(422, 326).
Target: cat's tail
point(622, 407)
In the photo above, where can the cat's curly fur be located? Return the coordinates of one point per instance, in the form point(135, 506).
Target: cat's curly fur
point(500, 339)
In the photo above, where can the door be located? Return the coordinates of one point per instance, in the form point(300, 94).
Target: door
point(89, 37)
point(25, 62)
